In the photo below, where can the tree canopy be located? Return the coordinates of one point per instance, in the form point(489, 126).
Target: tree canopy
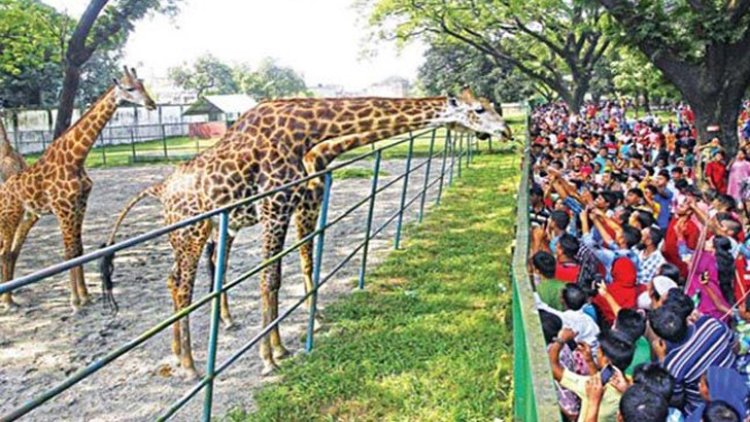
point(208, 75)
point(450, 67)
point(554, 42)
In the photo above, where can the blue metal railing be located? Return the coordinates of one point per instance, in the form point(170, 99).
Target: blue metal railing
point(212, 370)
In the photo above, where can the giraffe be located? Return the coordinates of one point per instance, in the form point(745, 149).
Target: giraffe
point(58, 184)
point(273, 144)
point(11, 162)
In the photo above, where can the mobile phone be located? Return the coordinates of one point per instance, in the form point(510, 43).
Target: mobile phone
point(607, 373)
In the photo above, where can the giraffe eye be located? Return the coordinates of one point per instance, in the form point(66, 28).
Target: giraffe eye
point(480, 110)
point(131, 89)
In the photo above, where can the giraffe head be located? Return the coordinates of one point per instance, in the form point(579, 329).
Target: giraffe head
point(130, 89)
point(467, 113)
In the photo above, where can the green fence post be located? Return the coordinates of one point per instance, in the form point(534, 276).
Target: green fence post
point(442, 167)
point(469, 155)
point(164, 141)
point(453, 162)
point(132, 142)
point(426, 176)
point(368, 225)
point(218, 282)
point(403, 193)
point(104, 150)
point(460, 152)
point(489, 144)
point(322, 222)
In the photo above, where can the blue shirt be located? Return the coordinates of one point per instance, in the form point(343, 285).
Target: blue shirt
point(708, 343)
point(665, 202)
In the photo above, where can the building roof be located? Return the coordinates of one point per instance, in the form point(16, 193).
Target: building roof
point(234, 103)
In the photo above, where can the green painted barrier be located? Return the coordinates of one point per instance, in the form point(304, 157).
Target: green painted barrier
point(533, 388)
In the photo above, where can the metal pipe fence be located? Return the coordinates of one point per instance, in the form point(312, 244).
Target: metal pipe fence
point(123, 145)
point(214, 368)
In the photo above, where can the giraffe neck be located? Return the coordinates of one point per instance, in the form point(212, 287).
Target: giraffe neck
point(5, 147)
point(74, 144)
point(388, 116)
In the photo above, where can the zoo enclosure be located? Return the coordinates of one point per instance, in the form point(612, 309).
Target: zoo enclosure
point(456, 153)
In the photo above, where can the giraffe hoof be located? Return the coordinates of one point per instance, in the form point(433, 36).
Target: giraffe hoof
point(85, 300)
point(11, 306)
point(190, 374)
point(281, 353)
point(269, 368)
point(230, 325)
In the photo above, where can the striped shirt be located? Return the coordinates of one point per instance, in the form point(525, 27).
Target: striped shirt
point(709, 343)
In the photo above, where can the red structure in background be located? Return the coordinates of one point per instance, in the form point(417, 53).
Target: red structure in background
point(207, 130)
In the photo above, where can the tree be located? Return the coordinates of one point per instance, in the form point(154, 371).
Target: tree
point(554, 42)
point(270, 80)
point(31, 35)
point(100, 28)
point(635, 76)
point(207, 76)
point(450, 67)
point(701, 47)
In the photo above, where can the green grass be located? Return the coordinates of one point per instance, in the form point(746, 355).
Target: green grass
point(430, 337)
point(355, 173)
point(178, 149)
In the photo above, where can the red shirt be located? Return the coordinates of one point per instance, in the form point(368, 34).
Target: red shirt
point(622, 288)
point(670, 250)
point(567, 271)
point(718, 175)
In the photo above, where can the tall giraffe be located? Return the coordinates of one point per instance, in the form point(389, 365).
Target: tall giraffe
point(271, 145)
point(11, 162)
point(58, 184)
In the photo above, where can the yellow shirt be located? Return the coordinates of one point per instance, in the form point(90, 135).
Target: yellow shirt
point(609, 405)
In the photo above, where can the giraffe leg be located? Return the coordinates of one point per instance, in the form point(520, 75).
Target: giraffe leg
point(28, 222)
point(7, 273)
point(83, 292)
point(305, 220)
point(172, 280)
point(275, 220)
point(188, 245)
point(70, 224)
point(226, 316)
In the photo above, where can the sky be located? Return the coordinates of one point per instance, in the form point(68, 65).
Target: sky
point(322, 39)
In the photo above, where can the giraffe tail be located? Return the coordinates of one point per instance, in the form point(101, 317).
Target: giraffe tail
point(106, 264)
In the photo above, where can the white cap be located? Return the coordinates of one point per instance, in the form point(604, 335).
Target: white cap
point(663, 284)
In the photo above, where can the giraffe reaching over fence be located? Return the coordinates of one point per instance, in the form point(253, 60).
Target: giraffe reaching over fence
point(11, 162)
point(271, 145)
point(58, 184)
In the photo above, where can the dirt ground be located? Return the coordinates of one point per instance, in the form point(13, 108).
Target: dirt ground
point(43, 342)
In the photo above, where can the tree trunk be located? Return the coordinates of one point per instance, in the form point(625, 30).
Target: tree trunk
point(67, 98)
point(722, 112)
point(646, 101)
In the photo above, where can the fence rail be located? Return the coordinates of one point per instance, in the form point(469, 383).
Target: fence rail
point(463, 156)
point(535, 398)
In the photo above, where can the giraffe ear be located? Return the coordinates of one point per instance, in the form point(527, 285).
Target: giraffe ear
point(116, 82)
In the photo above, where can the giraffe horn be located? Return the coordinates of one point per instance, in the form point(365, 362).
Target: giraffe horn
point(133, 72)
point(127, 72)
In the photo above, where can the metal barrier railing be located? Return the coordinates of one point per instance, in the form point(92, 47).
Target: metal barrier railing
point(535, 398)
point(212, 369)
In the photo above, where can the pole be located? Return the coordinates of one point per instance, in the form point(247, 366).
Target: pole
point(368, 225)
point(400, 220)
point(442, 168)
point(426, 176)
point(322, 222)
point(215, 312)
point(132, 142)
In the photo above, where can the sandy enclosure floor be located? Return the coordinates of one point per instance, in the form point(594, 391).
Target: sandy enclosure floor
point(43, 343)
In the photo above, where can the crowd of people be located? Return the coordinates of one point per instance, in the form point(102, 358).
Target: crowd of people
point(641, 266)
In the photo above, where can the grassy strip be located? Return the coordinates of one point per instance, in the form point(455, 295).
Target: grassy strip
point(178, 149)
point(430, 338)
point(356, 173)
